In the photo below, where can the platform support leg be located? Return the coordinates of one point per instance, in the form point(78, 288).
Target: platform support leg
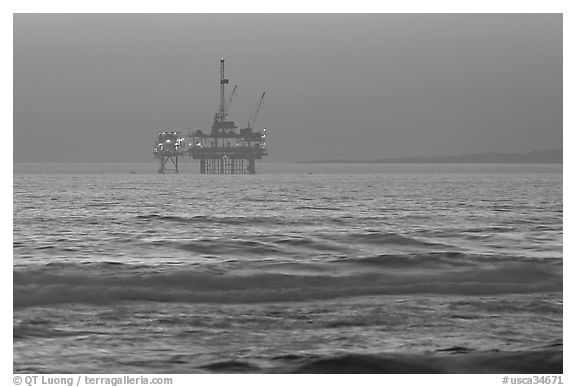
point(251, 166)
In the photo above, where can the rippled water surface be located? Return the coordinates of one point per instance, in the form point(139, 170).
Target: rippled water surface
point(148, 273)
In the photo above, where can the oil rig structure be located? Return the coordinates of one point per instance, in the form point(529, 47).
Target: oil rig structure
point(225, 149)
point(168, 147)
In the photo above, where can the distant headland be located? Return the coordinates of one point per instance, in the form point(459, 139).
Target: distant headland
point(552, 156)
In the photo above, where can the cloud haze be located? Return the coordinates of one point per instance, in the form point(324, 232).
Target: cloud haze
point(96, 87)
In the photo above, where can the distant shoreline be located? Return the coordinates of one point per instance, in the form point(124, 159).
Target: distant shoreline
point(534, 157)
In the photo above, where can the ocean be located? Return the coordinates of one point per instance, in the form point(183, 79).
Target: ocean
point(301, 268)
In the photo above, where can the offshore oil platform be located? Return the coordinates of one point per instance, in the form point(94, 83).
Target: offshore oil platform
point(223, 150)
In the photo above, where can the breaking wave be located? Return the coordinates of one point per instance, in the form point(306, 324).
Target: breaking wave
point(107, 283)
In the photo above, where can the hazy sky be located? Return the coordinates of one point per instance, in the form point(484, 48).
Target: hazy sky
point(97, 87)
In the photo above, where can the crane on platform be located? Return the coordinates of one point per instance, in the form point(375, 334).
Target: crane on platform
point(232, 94)
point(251, 125)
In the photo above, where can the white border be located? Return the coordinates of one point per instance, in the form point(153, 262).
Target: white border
point(439, 6)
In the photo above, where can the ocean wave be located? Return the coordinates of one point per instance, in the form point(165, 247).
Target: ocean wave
point(201, 219)
point(543, 361)
point(106, 284)
point(452, 360)
point(239, 247)
point(231, 366)
point(251, 245)
point(317, 208)
point(445, 259)
point(23, 331)
point(221, 220)
point(381, 238)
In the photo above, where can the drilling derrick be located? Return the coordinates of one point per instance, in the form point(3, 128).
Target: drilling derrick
point(225, 150)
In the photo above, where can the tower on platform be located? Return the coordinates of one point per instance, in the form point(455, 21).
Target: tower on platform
point(225, 149)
